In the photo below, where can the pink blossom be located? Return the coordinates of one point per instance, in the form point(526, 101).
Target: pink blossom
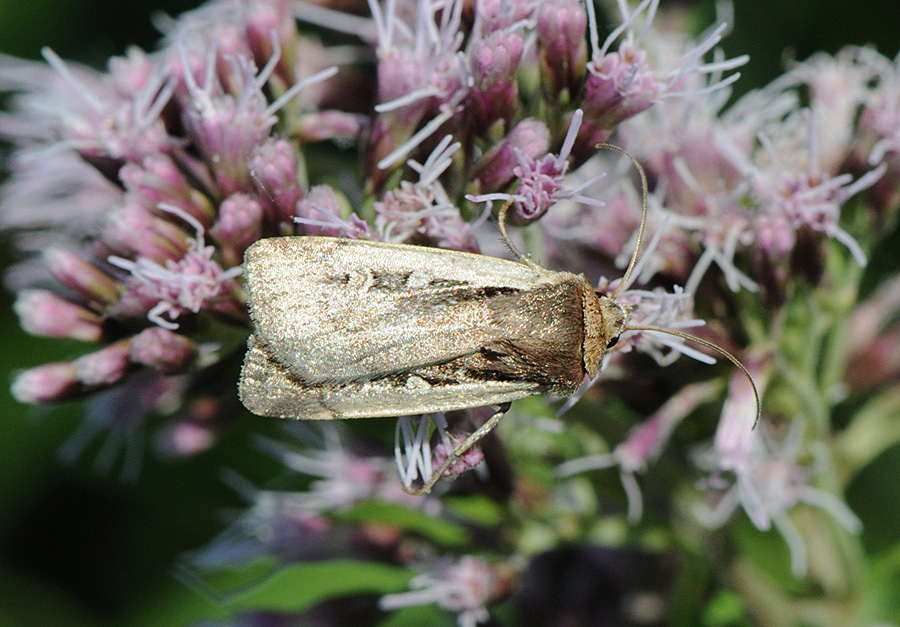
point(44, 313)
point(189, 284)
point(463, 587)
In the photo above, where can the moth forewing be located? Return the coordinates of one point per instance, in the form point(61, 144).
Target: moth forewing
point(269, 389)
point(334, 310)
point(352, 329)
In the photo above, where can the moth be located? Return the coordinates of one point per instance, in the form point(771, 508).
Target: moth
point(356, 329)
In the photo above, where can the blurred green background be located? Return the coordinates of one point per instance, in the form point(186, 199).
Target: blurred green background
point(80, 547)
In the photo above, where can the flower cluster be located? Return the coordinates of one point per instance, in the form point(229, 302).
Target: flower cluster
point(134, 192)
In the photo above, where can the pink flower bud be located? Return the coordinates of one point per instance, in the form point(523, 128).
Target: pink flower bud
point(262, 20)
point(495, 169)
point(159, 180)
point(619, 86)
point(103, 367)
point(240, 224)
point(45, 384)
point(44, 313)
point(81, 276)
point(163, 350)
point(540, 187)
point(496, 15)
point(227, 128)
point(274, 165)
point(494, 95)
point(135, 231)
point(561, 25)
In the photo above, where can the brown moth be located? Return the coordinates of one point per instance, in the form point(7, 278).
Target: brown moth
point(358, 329)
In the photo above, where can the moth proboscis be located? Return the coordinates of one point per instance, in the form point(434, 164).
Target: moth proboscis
point(357, 329)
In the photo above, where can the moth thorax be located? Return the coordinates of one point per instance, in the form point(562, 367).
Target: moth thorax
point(604, 320)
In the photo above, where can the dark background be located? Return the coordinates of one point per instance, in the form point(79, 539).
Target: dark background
point(80, 547)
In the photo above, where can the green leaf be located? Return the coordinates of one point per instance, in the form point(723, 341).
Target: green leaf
point(881, 604)
point(478, 509)
point(725, 608)
point(223, 582)
point(440, 531)
point(416, 616)
point(299, 586)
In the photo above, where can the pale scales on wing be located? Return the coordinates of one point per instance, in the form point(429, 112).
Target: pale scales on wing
point(349, 328)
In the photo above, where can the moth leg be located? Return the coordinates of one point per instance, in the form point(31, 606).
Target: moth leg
point(461, 449)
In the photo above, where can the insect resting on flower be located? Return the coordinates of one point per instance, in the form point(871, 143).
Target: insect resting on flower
point(349, 328)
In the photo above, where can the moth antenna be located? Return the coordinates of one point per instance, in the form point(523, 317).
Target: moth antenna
point(645, 193)
point(714, 347)
point(501, 222)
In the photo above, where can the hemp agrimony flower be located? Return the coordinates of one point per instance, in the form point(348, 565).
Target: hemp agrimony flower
point(133, 192)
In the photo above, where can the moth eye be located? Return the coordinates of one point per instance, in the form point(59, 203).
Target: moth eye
point(612, 342)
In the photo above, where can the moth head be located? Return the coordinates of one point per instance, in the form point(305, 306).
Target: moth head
point(604, 321)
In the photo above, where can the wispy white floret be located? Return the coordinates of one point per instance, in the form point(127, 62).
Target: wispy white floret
point(541, 180)
point(462, 587)
point(189, 284)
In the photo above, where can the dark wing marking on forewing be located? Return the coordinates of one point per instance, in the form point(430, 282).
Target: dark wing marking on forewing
point(543, 339)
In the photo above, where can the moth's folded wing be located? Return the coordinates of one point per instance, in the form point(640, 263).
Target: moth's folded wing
point(269, 389)
point(334, 310)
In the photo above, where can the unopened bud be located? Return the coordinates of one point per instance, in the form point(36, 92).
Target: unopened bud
point(103, 367)
point(45, 384)
point(44, 313)
point(163, 350)
point(81, 276)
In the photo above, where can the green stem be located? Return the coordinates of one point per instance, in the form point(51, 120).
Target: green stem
point(841, 302)
point(874, 429)
point(806, 390)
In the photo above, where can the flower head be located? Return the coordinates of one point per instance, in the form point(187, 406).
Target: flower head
point(798, 191)
point(541, 181)
point(190, 284)
point(463, 587)
point(134, 192)
point(769, 480)
point(162, 172)
point(622, 83)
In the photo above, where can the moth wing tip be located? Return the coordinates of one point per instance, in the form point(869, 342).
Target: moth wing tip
point(267, 389)
point(255, 249)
